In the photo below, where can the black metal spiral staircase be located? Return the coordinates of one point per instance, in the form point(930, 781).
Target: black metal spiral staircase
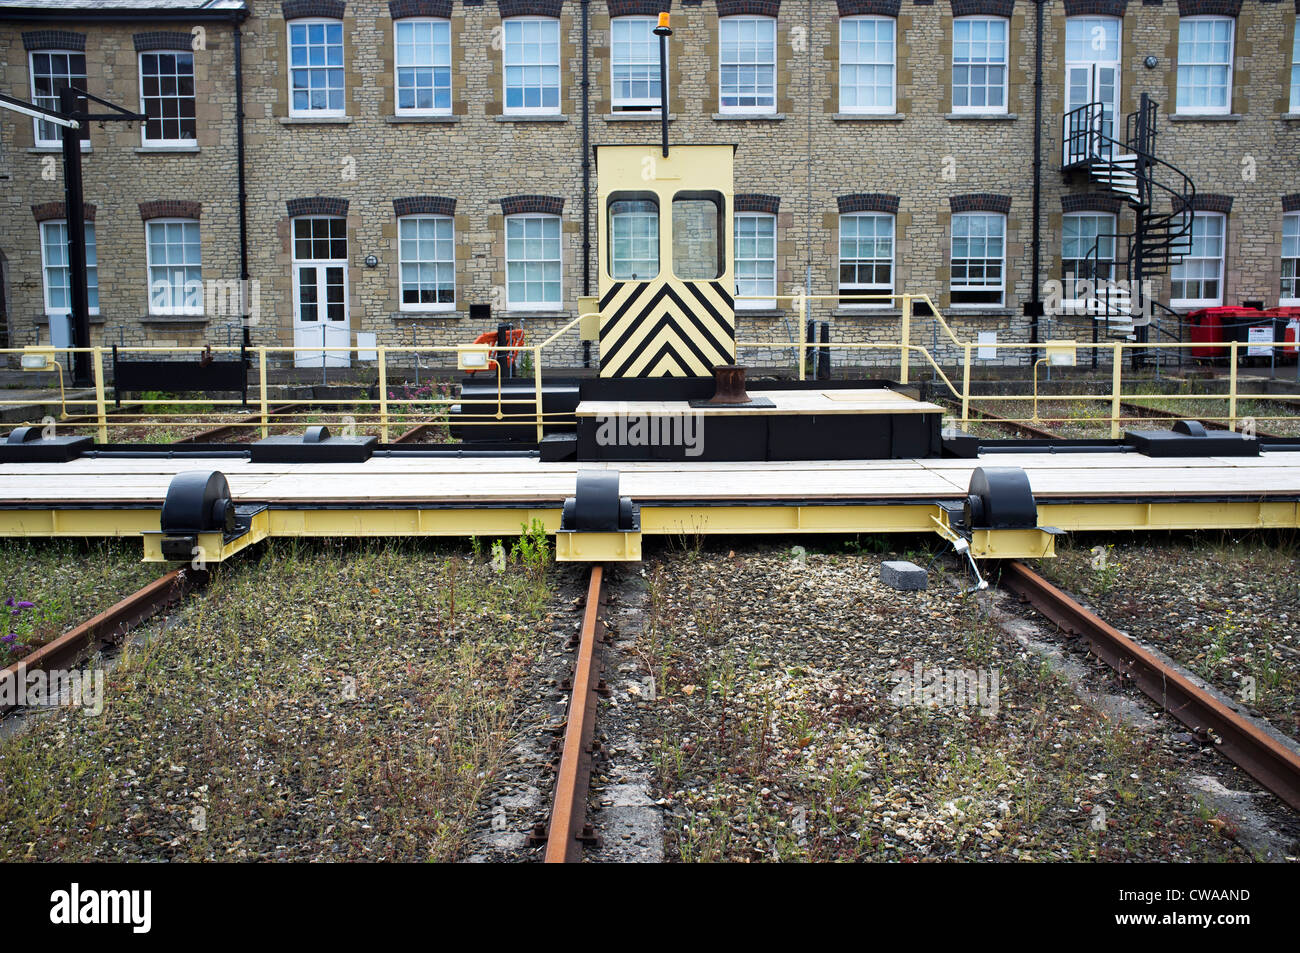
point(1119, 302)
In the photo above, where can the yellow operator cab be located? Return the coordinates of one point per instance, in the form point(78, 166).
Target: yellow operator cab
point(665, 239)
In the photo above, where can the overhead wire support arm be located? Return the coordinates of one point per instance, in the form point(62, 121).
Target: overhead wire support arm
point(38, 112)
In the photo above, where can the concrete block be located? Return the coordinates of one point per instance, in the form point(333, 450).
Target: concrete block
point(901, 574)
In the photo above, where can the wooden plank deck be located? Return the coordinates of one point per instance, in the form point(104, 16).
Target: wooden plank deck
point(879, 400)
point(433, 480)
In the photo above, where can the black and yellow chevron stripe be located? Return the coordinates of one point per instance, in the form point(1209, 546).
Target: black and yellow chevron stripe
point(666, 328)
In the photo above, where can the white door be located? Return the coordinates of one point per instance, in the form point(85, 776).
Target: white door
point(1092, 48)
point(320, 292)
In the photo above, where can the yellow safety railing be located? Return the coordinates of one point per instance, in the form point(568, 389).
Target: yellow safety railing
point(385, 410)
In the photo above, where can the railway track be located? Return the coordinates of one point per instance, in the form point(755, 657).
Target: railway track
point(1242, 741)
point(568, 831)
point(1155, 413)
point(108, 626)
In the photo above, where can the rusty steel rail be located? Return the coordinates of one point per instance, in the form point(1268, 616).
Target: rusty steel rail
point(235, 427)
point(1029, 430)
point(410, 435)
point(568, 830)
point(109, 625)
point(1157, 413)
point(1263, 757)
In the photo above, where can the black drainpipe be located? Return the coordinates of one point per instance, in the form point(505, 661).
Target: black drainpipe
point(1035, 302)
point(239, 164)
point(586, 168)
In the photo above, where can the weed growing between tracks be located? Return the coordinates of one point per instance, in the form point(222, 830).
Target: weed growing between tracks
point(1226, 606)
point(780, 732)
point(67, 582)
point(321, 702)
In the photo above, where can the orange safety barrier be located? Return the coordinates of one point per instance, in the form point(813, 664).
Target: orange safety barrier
point(514, 338)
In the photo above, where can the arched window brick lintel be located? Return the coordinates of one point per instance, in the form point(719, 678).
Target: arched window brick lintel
point(755, 202)
point(535, 204)
point(317, 205)
point(424, 205)
point(980, 202)
point(868, 202)
point(48, 211)
point(170, 208)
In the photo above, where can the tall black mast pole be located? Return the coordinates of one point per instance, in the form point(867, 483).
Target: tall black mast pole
point(663, 31)
point(75, 218)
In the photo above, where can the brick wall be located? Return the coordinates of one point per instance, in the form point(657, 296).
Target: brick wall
point(810, 158)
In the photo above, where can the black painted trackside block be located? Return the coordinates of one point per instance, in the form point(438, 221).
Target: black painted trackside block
point(25, 445)
point(316, 446)
point(1191, 440)
point(557, 447)
point(1000, 498)
point(596, 506)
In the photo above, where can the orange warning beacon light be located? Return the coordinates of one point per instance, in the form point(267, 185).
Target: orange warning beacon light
point(663, 21)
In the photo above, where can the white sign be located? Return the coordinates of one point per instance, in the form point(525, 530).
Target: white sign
point(1258, 340)
point(366, 340)
point(986, 353)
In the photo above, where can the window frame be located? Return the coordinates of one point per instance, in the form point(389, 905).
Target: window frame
point(310, 113)
point(1070, 285)
point(546, 305)
point(1192, 304)
point(57, 141)
point(1001, 287)
point(417, 306)
point(871, 288)
point(633, 105)
point(506, 108)
point(656, 244)
point(184, 309)
point(398, 109)
point(1295, 66)
point(766, 304)
point(1294, 299)
point(856, 110)
point(724, 109)
point(1184, 110)
point(92, 266)
point(985, 110)
point(145, 141)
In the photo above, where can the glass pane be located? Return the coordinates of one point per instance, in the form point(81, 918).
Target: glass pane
point(697, 235)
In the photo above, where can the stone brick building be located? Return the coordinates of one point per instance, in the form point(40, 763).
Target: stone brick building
point(403, 161)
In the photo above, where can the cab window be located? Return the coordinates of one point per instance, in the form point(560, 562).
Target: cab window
point(697, 235)
point(633, 236)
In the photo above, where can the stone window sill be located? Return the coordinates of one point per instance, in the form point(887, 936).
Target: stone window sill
point(748, 117)
point(759, 312)
point(58, 150)
point(866, 312)
point(508, 315)
point(44, 319)
point(441, 118)
point(982, 117)
point(426, 315)
point(636, 117)
point(166, 150)
point(1291, 117)
point(174, 319)
point(1205, 117)
point(868, 117)
point(977, 311)
point(315, 120)
point(557, 117)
